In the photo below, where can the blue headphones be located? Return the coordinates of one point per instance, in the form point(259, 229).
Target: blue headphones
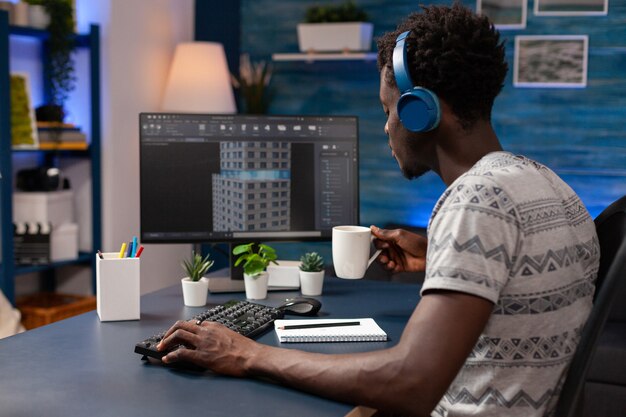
point(418, 107)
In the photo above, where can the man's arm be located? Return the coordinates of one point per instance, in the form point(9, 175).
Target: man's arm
point(409, 378)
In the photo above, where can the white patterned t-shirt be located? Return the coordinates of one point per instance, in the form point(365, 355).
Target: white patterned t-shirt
point(511, 231)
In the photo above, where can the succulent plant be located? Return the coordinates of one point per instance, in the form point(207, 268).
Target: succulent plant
point(311, 262)
point(197, 266)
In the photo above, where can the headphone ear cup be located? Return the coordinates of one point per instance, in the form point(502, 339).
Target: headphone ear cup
point(418, 110)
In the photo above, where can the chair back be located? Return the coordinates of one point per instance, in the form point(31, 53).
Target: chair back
point(611, 229)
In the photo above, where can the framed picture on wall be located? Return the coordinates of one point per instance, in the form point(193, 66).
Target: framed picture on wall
point(556, 61)
point(571, 7)
point(23, 123)
point(505, 14)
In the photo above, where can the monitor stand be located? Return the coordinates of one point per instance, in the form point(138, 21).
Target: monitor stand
point(225, 284)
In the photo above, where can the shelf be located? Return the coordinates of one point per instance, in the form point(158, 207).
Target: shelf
point(83, 258)
point(80, 147)
point(338, 56)
point(41, 34)
point(90, 150)
point(80, 153)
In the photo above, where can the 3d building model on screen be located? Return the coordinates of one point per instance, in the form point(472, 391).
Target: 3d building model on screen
point(252, 190)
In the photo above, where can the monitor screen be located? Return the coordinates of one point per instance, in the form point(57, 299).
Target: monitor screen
point(241, 178)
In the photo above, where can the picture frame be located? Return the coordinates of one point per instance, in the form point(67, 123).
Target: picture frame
point(504, 14)
point(552, 61)
point(23, 122)
point(571, 7)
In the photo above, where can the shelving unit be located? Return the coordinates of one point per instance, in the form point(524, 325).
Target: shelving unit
point(338, 56)
point(8, 270)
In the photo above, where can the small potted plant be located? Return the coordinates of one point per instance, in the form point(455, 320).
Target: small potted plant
point(195, 287)
point(255, 264)
point(311, 274)
point(253, 85)
point(335, 28)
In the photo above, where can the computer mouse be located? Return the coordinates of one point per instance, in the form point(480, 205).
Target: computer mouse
point(301, 306)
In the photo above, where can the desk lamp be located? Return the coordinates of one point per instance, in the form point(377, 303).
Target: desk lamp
point(199, 80)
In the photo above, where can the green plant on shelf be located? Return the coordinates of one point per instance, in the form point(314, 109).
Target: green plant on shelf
point(311, 262)
point(197, 266)
point(254, 263)
point(61, 69)
point(346, 12)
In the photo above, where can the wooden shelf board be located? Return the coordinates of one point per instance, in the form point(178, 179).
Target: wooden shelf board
point(338, 56)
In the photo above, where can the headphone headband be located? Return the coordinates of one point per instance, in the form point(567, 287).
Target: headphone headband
point(400, 69)
point(418, 108)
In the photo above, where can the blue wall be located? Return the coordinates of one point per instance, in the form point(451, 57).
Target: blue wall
point(580, 133)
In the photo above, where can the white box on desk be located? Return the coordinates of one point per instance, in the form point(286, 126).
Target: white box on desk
point(56, 207)
point(117, 287)
point(285, 274)
point(64, 242)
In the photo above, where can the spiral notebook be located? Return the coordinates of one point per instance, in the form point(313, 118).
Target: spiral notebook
point(339, 330)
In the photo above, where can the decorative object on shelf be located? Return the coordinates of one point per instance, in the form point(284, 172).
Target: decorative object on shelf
point(255, 268)
point(20, 14)
point(199, 80)
point(23, 127)
point(195, 286)
point(311, 274)
point(253, 85)
point(38, 17)
point(60, 76)
point(333, 28)
point(60, 136)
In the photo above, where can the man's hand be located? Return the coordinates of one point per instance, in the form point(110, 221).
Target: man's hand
point(402, 251)
point(209, 345)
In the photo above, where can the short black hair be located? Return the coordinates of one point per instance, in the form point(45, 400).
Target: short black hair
point(453, 52)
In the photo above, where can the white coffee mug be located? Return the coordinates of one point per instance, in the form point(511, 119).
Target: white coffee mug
point(351, 250)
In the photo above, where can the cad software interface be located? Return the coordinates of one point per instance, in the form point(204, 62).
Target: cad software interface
point(229, 177)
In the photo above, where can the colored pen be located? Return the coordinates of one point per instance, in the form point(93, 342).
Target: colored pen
point(123, 250)
point(129, 249)
point(134, 252)
point(312, 326)
point(100, 254)
point(138, 254)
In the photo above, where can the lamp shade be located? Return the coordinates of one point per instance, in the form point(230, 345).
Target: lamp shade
point(199, 80)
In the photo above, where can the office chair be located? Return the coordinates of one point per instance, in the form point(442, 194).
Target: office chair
point(611, 228)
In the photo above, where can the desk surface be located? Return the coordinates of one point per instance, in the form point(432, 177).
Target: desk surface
point(82, 367)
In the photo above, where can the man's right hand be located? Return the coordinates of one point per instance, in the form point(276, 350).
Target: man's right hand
point(402, 251)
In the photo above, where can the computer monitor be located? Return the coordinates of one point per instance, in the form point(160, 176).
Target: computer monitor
point(246, 178)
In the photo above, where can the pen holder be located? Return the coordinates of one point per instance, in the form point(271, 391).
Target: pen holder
point(117, 287)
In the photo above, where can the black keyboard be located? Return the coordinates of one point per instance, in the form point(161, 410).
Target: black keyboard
point(244, 317)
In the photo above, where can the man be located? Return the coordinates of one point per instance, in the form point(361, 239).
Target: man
point(510, 259)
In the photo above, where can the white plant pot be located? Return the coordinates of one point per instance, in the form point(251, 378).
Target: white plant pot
point(335, 37)
point(195, 292)
point(311, 283)
point(256, 286)
point(38, 17)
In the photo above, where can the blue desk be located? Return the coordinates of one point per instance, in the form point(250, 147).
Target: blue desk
point(82, 367)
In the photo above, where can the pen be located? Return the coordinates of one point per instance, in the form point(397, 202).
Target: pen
point(123, 250)
point(138, 254)
point(134, 252)
point(100, 254)
point(129, 249)
point(312, 326)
